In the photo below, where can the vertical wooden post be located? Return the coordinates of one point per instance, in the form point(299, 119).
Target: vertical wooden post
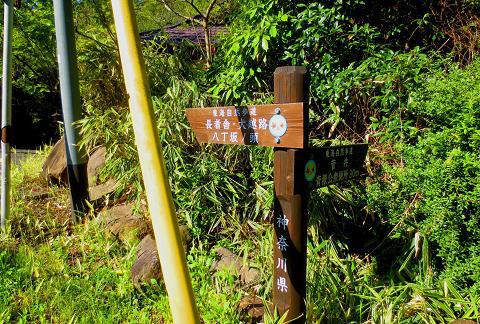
point(290, 223)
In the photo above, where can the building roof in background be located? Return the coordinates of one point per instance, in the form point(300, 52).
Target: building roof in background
point(178, 34)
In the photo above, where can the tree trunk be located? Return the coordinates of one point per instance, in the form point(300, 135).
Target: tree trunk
point(208, 47)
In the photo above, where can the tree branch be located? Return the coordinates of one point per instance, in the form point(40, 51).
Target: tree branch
point(104, 21)
point(195, 8)
point(210, 8)
point(93, 39)
point(169, 8)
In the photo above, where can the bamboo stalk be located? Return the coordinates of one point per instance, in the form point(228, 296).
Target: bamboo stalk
point(155, 177)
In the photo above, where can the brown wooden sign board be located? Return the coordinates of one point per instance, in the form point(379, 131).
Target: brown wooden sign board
point(276, 125)
point(334, 164)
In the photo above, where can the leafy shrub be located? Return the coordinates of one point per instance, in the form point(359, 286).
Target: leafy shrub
point(371, 97)
point(215, 187)
point(436, 190)
point(359, 76)
point(251, 50)
point(327, 40)
point(359, 71)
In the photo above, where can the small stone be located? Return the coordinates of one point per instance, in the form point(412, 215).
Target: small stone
point(55, 166)
point(251, 309)
point(147, 264)
point(228, 261)
point(96, 162)
point(249, 276)
point(121, 222)
point(234, 265)
point(99, 191)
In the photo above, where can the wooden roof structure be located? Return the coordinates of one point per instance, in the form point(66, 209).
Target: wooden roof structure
point(176, 34)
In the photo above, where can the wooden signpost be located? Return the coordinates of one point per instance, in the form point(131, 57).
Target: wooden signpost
point(297, 168)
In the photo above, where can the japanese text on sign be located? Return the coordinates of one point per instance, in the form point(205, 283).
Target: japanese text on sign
point(276, 125)
point(329, 165)
point(229, 132)
point(282, 244)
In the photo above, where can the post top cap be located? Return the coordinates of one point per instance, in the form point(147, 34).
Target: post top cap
point(290, 70)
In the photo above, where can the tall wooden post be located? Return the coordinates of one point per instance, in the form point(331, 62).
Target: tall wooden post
point(290, 223)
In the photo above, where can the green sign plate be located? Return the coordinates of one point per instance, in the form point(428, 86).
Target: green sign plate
point(333, 164)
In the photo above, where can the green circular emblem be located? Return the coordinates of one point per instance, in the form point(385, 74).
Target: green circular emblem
point(310, 170)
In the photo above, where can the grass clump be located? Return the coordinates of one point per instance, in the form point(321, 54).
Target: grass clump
point(54, 272)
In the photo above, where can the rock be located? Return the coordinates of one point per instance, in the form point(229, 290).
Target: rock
point(463, 321)
point(233, 264)
point(185, 236)
point(228, 262)
point(99, 191)
point(96, 162)
point(249, 276)
point(251, 309)
point(121, 222)
point(55, 166)
point(147, 265)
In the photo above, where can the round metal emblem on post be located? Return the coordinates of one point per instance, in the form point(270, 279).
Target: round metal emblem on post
point(277, 125)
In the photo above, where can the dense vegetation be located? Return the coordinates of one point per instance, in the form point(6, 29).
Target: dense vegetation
point(401, 246)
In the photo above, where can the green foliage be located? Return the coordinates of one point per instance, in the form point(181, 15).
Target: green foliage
point(34, 60)
point(357, 77)
point(204, 180)
point(152, 14)
point(328, 40)
point(249, 52)
point(52, 271)
point(100, 73)
point(164, 68)
point(219, 294)
point(373, 96)
point(345, 288)
point(436, 189)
